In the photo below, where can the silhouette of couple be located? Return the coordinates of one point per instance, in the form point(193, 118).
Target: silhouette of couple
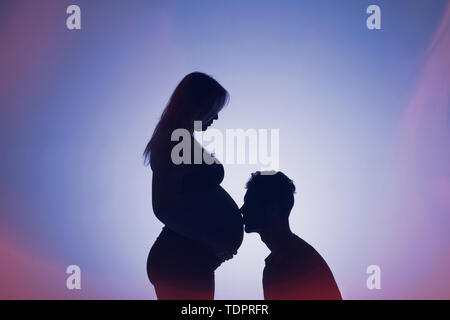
point(203, 226)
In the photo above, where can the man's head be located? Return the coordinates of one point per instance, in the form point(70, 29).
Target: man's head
point(268, 201)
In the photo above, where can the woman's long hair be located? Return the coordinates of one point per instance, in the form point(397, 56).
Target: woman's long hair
point(195, 96)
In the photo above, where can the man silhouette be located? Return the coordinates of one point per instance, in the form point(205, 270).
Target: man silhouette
point(294, 270)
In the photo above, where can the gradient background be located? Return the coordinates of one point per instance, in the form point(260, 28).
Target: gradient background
point(364, 133)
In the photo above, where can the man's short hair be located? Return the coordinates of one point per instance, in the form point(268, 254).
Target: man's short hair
point(273, 187)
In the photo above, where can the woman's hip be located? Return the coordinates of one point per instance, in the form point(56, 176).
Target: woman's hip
point(173, 257)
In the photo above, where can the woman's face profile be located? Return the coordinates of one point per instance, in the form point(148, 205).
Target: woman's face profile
point(208, 119)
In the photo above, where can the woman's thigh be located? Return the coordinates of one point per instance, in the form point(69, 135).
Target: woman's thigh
point(177, 276)
point(167, 291)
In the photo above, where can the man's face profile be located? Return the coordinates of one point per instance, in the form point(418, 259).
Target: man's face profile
point(254, 212)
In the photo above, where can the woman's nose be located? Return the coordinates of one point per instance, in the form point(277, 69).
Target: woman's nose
point(216, 117)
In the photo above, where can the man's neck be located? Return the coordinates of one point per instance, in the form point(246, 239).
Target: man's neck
point(276, 237)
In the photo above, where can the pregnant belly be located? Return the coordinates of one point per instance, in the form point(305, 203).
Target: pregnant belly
point(217, 198)
point(209, 216)
point(225, 224)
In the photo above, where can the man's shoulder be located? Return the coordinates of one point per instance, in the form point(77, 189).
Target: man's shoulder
point(302, 247)
point(301, 252)
point(300, 272)
point(296, 251)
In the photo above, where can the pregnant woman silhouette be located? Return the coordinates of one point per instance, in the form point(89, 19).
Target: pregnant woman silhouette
point(202, 223)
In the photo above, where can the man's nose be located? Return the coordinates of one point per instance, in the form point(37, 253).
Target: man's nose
point(216, 117)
